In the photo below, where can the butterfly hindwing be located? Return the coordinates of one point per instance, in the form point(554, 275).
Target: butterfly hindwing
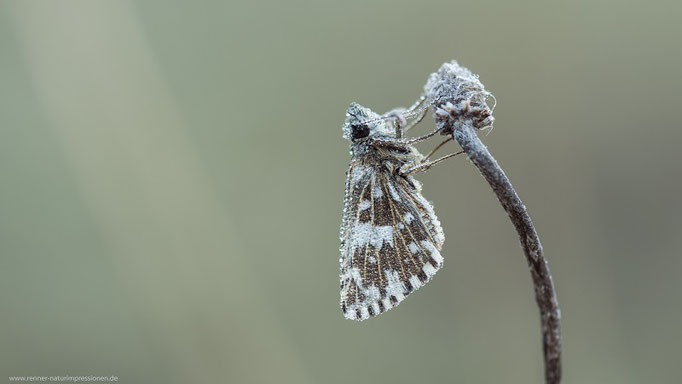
point(390, 242)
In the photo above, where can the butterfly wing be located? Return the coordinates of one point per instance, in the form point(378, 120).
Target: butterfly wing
point(390, 242)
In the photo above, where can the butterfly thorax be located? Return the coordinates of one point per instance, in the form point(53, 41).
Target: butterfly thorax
point(384, 157)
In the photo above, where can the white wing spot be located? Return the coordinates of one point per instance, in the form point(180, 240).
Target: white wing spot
point(364, 204)
point(358, 173)
point(408, 217)
point(434, 252)
point(394, 286)
point(354, 274)
point(429, 269)
point(372, 293)
point(437, 257)
point(378, 193)
point(413, 247)
point(428, 245)
point(364, 313)
point(416, 283)
point(364, 233)
point(393, 192)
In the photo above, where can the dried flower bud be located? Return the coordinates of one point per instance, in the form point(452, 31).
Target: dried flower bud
point(458, 96)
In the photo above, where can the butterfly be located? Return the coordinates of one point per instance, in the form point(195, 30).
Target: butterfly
point(390, 236)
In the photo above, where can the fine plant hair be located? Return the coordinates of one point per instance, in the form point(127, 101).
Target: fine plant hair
point(458, 100)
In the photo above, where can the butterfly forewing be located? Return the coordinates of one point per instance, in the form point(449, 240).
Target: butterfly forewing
point(390, 241)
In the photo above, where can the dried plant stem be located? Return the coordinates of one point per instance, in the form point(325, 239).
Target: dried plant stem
point(545, 295)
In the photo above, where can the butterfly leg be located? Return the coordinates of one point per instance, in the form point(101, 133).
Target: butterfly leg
point(424, 165)
point(416, 104)
point(401, 115)
point(437, 148)
point(390, 141)
point(399, 120)
point(416, 121)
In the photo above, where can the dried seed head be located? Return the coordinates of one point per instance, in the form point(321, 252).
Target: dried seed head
point(458, 96)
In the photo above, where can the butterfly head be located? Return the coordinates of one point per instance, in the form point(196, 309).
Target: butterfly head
point(362, 123)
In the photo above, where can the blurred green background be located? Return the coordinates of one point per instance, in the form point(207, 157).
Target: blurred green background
point(172, 178)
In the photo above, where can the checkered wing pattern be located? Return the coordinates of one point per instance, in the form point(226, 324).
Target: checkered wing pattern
point(390, 241)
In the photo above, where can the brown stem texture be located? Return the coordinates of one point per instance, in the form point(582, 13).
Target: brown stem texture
point(545, 294)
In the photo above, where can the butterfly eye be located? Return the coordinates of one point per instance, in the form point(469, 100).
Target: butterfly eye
point(359, 131)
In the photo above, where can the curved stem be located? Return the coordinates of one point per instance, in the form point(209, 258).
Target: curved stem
point(545, 295)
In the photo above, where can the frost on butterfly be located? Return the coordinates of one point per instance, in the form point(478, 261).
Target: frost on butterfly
point(390, 235)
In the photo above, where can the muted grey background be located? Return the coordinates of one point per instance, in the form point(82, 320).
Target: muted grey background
point(172, 179)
